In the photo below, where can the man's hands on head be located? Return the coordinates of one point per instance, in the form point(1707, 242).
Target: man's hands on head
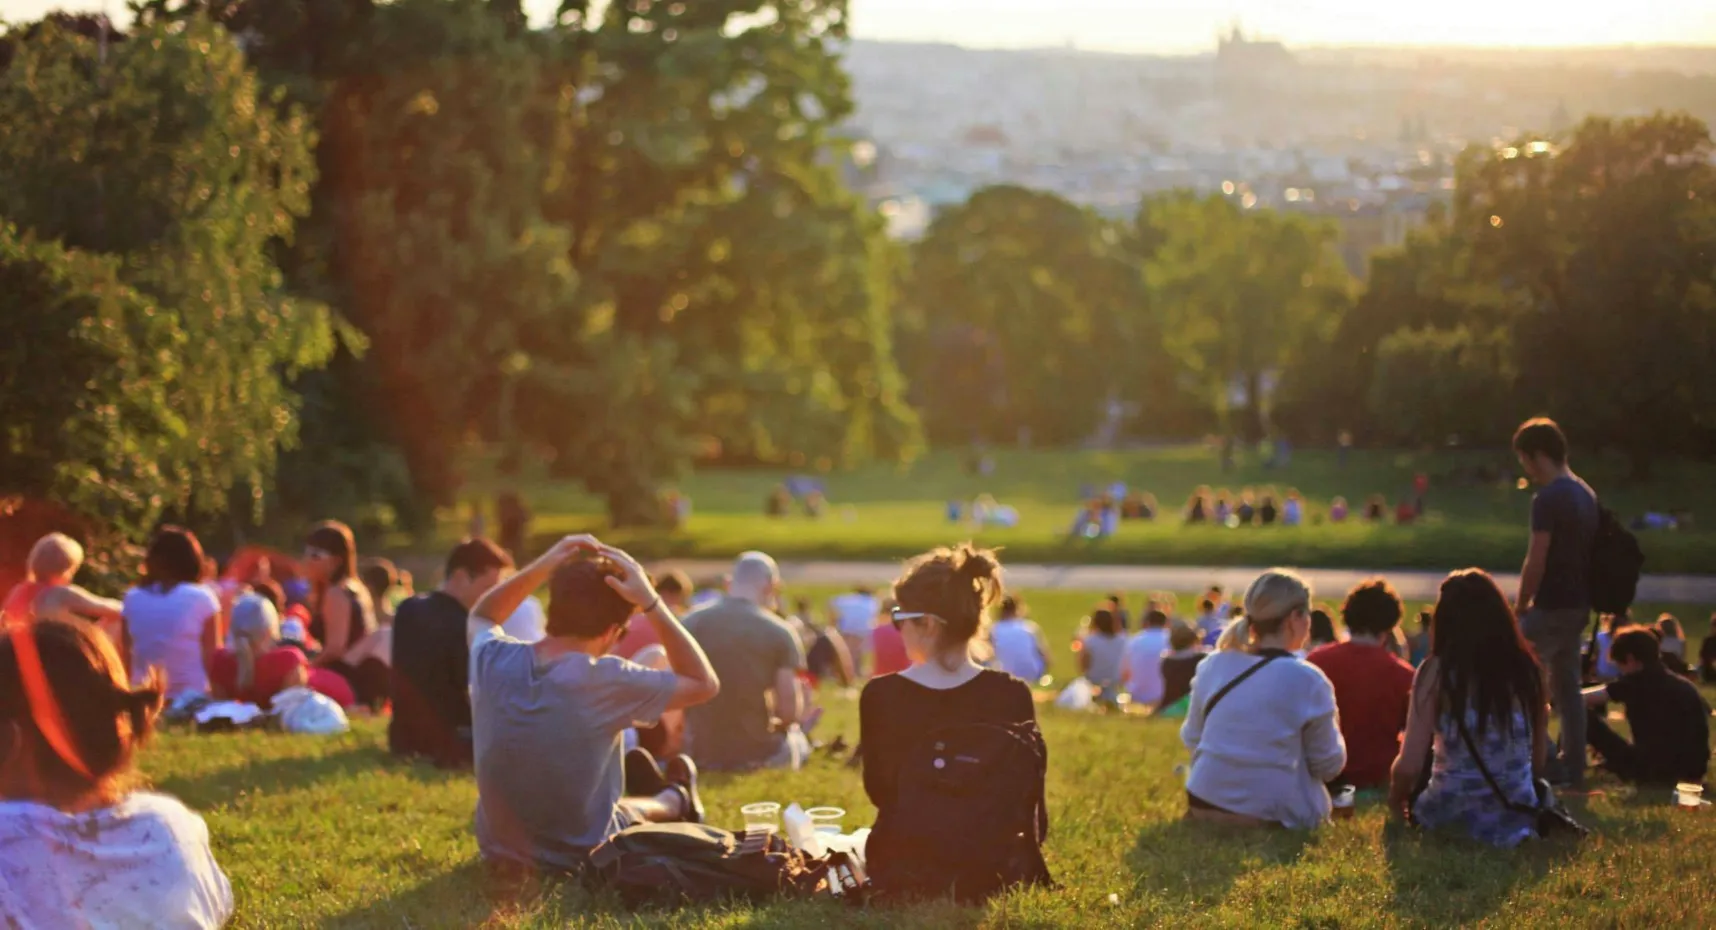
point(633, 582)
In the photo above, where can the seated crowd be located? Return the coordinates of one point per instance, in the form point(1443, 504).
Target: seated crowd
point(597, 713)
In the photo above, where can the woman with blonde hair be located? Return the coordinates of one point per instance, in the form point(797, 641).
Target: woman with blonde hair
point(47, 592)
point(258, 667)
point(79, 845)
point(1262, 725)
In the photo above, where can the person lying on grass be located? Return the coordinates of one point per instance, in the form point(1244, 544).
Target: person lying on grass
point(547, 718)
point(79, 846)
point(1263, 745)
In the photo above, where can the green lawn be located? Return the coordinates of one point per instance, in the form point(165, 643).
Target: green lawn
point(333, 832)
point(887, 513)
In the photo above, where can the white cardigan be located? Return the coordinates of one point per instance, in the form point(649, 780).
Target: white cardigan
point(1272, 743)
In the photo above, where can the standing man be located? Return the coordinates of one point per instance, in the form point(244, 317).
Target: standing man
point(758, 659)
point(1554, 602)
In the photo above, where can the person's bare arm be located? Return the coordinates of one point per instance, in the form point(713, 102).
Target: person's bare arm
point(336, 625)
point(73, 601)
point(1420, 736)
point(788, 707)
point(494, 607)
point(211, 640)
point(697, 681)
point(843, 667)
point(1531, 575)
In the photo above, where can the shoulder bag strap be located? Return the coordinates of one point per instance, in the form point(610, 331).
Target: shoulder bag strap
point(1211, 706)
point(1484, 770)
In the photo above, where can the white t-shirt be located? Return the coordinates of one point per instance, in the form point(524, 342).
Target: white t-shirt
point(1018, 651)
point(528, 624)
point(167, 633)
point(1270, 745)
point(855, 613)
point(144, 862)
point(1144, 665)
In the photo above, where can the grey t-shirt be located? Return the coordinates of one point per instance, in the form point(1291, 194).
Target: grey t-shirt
point(1566, 509)
point(547, 744)
point(1107, 654)
point(748, 646)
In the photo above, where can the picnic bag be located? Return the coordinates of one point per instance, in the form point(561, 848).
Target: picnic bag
point(1616, 563)
point(969, 818)
point(692, 863)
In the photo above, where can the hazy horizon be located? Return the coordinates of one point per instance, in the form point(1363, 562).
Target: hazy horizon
point(1191, 26)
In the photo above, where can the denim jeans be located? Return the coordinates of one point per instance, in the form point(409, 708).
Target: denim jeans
point(1558, 635)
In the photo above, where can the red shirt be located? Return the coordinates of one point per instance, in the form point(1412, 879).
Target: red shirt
point(639, 637)
point(890, 650)
point(1372, 689)
point(272, 670)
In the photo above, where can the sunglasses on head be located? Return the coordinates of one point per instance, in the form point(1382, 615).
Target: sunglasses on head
point(900, 617)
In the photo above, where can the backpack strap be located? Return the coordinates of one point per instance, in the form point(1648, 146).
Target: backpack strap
point(1484, 770)
point(1211, 706)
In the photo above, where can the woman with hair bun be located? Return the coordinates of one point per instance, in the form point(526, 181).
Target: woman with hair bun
point(1262, 725)
point(942, 598)
point(79, 846)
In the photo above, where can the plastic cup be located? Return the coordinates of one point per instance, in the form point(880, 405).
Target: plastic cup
point(826, 819)
point(1343, 802)
point(1689, 796)
point(762, 816)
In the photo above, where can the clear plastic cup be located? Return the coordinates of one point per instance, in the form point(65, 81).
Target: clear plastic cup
point(827, 819)
point(1689, 796)
point(762, 816)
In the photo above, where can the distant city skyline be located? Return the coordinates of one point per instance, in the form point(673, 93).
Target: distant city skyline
point(1190, 26)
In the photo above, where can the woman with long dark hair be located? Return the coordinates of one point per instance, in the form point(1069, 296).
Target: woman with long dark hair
point(1479, 697)
point(171, 620)
point(342, 614)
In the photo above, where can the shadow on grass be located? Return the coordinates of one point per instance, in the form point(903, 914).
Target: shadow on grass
point(295, 773)
point(1443, 878)
point(1197, 862)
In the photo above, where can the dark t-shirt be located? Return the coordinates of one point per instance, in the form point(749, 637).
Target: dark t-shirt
point(1566, 509)
point(894, 713)
point(1670, 723)
point(1177, 674)
point(431, 680)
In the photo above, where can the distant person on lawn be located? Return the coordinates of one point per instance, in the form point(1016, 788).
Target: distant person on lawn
point(942, 597)
point(675, 589)
point(171, 619)
point(552, 782)
point(1142, 665)
point(47, 591)
point(1481, 676)
point(432, 661)
point(854, 615)
point(1554, 602)
point(1669, 719)
point(1180, 664)
point(1262, 753)
point(1020, 648)
point(1102, 653)
point(759, 659)
point(342, 615)
point(1373, 686)
point(258, 666)
point(79, 846)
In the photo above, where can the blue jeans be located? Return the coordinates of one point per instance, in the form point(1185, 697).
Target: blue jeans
point(1558, 636)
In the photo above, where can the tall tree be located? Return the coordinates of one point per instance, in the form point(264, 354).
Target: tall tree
point(160, 162)
point(1243, 293)
point(1021, 310)
point(1601, 244)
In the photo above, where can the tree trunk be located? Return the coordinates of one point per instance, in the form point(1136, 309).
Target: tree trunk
point(1255, 426)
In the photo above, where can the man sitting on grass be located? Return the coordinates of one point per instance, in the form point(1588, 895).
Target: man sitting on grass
point(548, 717)
point(1373, 686)
point(1669, 718)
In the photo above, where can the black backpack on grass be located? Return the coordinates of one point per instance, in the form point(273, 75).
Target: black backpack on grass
point(671, 863)
point(1616, 563)
point(969, 818)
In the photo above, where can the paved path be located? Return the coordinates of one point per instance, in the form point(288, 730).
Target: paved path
point(1329, 583)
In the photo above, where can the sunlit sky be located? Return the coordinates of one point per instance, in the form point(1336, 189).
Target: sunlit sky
point(1190, 25)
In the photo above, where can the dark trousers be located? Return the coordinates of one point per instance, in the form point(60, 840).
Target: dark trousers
point(1623, 758)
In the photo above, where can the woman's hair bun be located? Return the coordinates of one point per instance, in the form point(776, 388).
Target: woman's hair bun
point(974, 564)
